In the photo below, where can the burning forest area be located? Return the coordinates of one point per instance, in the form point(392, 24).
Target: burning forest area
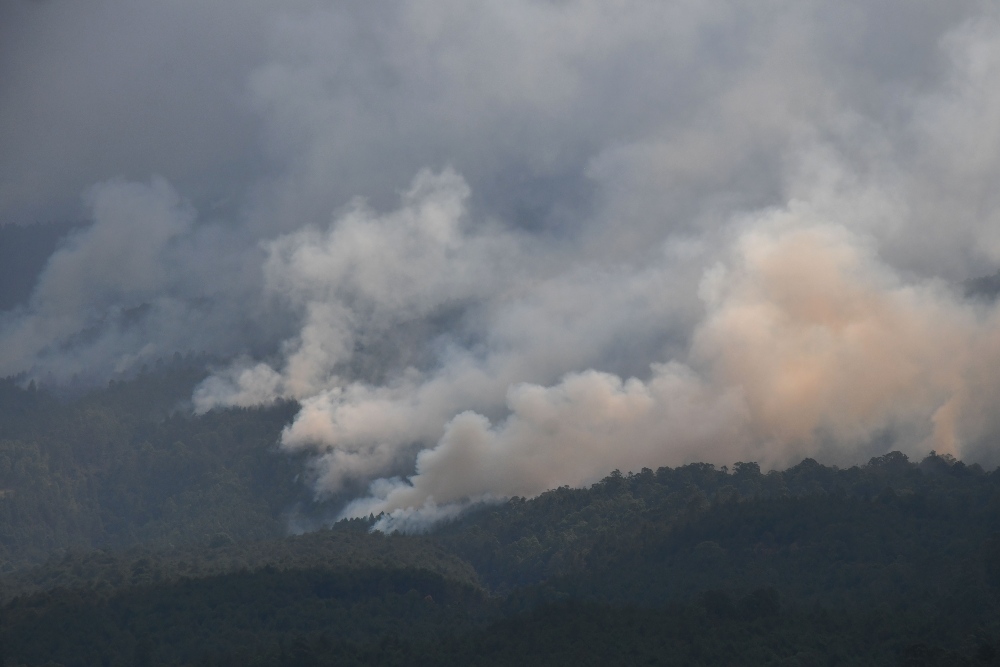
point(502, 333)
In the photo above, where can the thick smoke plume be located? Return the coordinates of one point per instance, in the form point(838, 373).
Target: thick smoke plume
point(500, 247)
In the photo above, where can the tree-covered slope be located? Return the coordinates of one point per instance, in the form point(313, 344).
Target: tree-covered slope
point(128, 465)
point(134, 533)
point(892, 563)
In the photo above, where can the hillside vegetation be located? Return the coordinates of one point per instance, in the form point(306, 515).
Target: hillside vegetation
point(135, 534)
point(128, 465)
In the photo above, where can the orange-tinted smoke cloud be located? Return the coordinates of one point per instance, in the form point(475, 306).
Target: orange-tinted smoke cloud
point(826, 342)
point(811, 346)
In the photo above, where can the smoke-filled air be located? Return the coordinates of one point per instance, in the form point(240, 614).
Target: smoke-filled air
point(500, 247)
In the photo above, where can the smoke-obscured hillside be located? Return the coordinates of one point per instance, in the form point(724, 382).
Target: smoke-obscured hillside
point(24, 251)
point(128, 465)
point(134, 532)
point(490, 249)
point(891, 563)
point(423, 274)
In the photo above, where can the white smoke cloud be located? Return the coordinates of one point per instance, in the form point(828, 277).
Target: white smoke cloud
point(363, 280)
point(713, 230)
point(811, 346)
point(144, 280)
point(119, 264)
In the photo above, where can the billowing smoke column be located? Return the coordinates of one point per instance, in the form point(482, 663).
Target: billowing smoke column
point(496, 248)
point(810, 346)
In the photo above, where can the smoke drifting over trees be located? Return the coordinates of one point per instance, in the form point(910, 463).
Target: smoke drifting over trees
point(496, 248)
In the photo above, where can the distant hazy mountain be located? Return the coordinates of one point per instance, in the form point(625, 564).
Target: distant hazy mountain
point(24, 250)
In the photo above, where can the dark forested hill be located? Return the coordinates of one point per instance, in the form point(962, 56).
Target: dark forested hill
point(125, 465)
point(134, 534)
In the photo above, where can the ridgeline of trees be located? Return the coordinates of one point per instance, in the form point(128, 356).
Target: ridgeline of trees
point(135, 534)
point(128, 465)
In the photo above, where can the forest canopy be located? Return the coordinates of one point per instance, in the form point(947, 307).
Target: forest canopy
point(134, 533)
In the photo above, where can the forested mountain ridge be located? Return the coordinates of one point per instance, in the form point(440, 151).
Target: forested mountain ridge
point(134, 533)
point(889, 563)
point(127, 465)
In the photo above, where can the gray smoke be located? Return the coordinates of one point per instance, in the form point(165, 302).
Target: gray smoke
point(495, 248)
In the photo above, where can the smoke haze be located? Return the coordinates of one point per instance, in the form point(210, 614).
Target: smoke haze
point(493, 249)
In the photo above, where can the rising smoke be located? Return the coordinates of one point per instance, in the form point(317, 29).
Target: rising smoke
point(496, 248)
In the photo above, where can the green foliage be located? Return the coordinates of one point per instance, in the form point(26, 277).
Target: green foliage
point(705, 516)
point(108, 572)
point(182, 621)
point(134, 533)
point(125, 466)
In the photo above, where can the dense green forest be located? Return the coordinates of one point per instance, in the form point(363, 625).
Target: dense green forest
point(133, 533)
point(129, 465)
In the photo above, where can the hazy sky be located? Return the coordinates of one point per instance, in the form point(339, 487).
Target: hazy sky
point(498, 247)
